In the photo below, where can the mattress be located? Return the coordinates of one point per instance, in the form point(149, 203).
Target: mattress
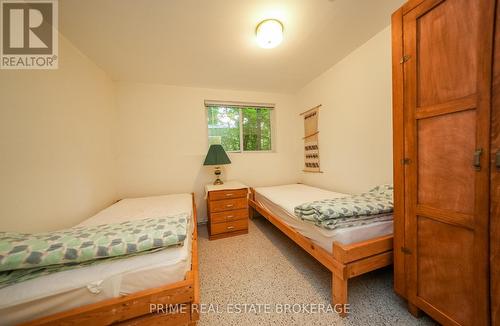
point(65, 290)
point(281, 201)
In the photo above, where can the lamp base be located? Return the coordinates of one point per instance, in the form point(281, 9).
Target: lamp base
point(217, 173)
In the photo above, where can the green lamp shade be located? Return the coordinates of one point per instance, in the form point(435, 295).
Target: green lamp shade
point(216, 156)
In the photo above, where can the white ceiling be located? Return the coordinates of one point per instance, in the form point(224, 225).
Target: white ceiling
point(210, 43)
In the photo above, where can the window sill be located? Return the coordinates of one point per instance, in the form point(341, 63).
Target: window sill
point(250, 152)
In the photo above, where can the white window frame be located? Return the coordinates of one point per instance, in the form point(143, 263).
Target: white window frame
point(241, 106)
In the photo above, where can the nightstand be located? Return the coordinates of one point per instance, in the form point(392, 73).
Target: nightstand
point(227, 209)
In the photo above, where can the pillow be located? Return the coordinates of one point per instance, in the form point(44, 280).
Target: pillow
point(384, 189)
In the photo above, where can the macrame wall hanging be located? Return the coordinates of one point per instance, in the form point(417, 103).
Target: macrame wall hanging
point(311, 137)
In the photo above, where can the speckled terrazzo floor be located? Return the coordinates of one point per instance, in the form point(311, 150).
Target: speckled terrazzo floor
point(265, 267)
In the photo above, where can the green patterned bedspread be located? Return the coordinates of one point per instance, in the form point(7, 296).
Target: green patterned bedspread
point(373, 206)
point(26, 256)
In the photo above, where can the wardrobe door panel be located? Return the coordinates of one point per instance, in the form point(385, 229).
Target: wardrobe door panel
point(445, 144)
point(495, 212)
point(495, 181)
point(444, 62)
point(446, 196)
point(449, 267)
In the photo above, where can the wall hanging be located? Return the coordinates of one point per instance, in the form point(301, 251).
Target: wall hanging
point(311, 140)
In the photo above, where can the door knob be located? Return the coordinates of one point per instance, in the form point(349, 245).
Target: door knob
point(497, 159)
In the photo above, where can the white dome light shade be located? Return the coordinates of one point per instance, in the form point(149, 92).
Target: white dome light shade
point(269, 33)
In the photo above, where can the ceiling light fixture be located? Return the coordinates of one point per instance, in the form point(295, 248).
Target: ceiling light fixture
point(269, 33)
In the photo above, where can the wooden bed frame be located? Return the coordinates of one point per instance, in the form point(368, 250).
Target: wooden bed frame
point(347, 261)
point(134, 309)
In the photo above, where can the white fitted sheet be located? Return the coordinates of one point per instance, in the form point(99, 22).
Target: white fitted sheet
point(281, 201)
point(65, 290)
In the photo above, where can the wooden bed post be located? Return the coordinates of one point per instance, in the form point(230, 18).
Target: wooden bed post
point(339, 297)
point(251, 197)
point(194, 304)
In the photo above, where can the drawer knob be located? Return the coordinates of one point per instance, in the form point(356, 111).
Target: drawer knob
point(230, 227)
point(230, 216)
point(229, 195)
point(229, 205)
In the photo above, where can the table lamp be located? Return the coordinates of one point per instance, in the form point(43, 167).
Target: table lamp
point(217, 156)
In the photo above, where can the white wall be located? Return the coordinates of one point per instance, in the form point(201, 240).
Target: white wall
point(162, 141)
point(355, 120)
point(56, 153)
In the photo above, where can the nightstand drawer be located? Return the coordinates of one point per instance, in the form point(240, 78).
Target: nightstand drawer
point(226, 227)
point(227, 194)
point(228, 204)
point(229, 216)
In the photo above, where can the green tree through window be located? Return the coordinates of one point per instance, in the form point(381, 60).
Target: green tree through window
point(237, 127)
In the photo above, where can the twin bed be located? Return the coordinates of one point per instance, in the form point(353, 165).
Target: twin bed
point(122, 291)
point(282, 200)
point(116, 291)
point(347, 252)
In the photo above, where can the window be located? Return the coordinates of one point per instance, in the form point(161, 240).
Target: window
point(240, 128)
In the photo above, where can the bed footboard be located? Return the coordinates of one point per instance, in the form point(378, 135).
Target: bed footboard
point(357, 259)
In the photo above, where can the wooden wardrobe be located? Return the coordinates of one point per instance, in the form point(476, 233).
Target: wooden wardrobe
point(446, 116)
